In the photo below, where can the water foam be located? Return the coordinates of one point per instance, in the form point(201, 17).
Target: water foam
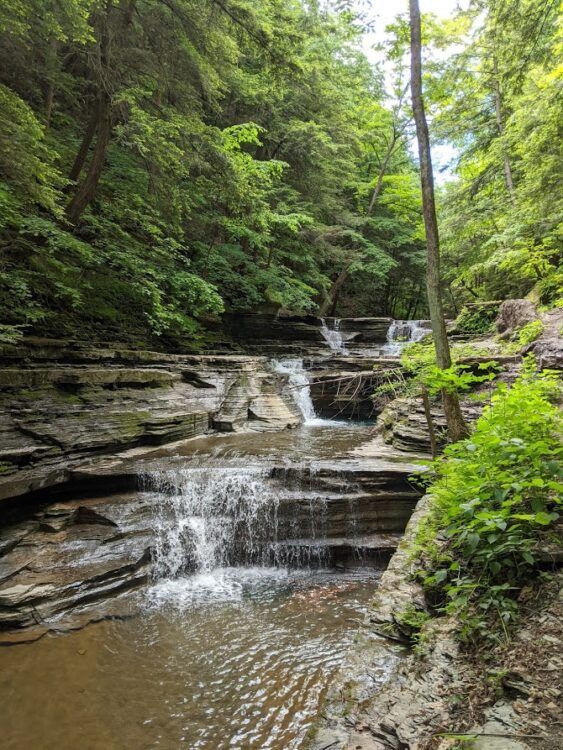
point(333, 336)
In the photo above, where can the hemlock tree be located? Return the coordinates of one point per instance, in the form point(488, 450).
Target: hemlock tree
point(457, 428)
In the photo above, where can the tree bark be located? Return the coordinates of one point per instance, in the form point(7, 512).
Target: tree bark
point(429, 422)
point(335, 290)
point(500, 128)
point(101, 121)
point(87, 138)
point(382, 171)
point(87, 188)
point(457, 428)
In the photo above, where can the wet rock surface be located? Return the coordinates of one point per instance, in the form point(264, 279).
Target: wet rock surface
point(57, 414)
point(72, 561)
point(68, 557)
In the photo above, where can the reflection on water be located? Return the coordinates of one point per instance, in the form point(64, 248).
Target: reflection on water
point(236, 658)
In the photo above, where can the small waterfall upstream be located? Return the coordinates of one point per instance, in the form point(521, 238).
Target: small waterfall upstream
point(333, 336)
point(299, 384)
point(402, 332)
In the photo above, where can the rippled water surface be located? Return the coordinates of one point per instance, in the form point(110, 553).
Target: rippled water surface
point(234, 658)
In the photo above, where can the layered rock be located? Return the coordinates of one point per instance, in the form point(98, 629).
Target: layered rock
point(344, 387)
point(364, 330)
point(79, 560)
point(62, 405)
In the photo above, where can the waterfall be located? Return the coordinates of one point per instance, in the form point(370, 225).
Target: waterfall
point(208, 518)
point(300, 387)
point(403, 332)
point(222, 523)
point(333, 337)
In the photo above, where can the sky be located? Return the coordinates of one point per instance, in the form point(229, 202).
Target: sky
point(384, 12)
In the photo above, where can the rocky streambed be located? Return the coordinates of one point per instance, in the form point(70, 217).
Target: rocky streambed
point(164, 500)
point(160, 492)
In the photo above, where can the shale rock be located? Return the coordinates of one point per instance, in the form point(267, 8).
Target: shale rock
point(63, 405)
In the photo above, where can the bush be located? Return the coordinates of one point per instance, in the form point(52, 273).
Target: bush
point(530, 332)
point(477, 319)
point(494, 494)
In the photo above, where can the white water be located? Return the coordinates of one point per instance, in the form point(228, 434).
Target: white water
point(210, 518)
point(402, 332)
point(221, 525)
point(333, 337)
point(299, 384)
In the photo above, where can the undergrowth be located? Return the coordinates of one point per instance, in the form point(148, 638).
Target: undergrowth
point(495, 495)
point(477, 319)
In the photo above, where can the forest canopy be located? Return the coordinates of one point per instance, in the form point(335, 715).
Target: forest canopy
point(162, 161)
point(165, 161)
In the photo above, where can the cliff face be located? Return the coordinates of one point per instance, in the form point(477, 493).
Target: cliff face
point(65, 405)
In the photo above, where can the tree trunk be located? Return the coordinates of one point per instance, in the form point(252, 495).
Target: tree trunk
point(335, 290)
point(381, 175)
point(101, 121)
point(500, 128)
point(457, 428)
point(82, 154)
point(429, 422)
point(87, 188)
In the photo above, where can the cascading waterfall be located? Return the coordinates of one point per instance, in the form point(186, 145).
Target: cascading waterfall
point(333, 336)
point(209, 518)
point(299, 384)
point(219, 522)
point(402, 332)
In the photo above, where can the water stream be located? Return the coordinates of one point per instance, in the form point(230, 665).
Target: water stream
point(333, 336)
point(233, 643)
point(402, 332)
point(299, 385)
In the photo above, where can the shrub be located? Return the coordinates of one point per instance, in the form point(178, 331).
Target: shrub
point(478, 319)
point(494, 493)
point(530, 332)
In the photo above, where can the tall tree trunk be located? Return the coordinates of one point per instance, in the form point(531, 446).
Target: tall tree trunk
point(429, 422)
point(86, 191)
point(457, 428)
point(101, 122)
point(335, 290)
point(382, 171)
point(500, 128)
point(87, 138)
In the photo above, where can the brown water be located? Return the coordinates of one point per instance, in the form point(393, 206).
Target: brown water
point(237, 658)
point(328, 440)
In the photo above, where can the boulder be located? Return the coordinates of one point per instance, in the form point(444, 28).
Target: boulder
point(513, 314)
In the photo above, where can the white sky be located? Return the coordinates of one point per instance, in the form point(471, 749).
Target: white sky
point(384, 12)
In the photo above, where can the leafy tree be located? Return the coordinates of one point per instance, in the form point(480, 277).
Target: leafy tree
point(164, 160)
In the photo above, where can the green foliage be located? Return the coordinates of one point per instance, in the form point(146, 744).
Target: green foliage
point(411, 619)
point(478, 319)
point(495, 493)
point(27, 166)
point(498, 99)
point(243, 149)
point(530, 332)
point(419, 362)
